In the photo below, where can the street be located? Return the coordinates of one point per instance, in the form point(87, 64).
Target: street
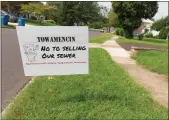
point(93, 33)
point(13, 79)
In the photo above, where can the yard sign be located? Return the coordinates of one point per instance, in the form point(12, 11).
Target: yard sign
point(53, 50)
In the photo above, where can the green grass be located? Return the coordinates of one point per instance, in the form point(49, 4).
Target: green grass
point(101, 39)
point(149, 41)
point(37, 23)
point(156, 61)
point(107, 92)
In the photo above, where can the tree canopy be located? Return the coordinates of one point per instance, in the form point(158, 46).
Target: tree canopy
point(163, 33)
point(13, 6)
point(37, 9)
point(130, 14)
point(159, 24)
point(77, 12)
point(112, 18)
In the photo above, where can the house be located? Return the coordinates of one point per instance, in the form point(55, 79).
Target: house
point(146, 24)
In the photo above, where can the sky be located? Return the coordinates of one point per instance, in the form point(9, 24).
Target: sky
point(162, 10)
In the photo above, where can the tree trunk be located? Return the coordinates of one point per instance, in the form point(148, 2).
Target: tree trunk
point(8, 8)
point(28, 16)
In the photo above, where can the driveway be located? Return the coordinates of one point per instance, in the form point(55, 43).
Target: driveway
point(13, 79)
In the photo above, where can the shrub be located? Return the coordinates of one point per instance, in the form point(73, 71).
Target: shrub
point(149, 35)
point(33, 18)
point(36, 22)
point(117, 31)
point(121, 32)
point(145, 30)
point(140, 36)
point(163, 33)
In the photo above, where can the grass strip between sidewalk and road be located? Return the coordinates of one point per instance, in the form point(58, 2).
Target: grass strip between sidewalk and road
point(107, 92)
point(156, 61)
point(148, 41)
point(8, 26)
point(101, 39)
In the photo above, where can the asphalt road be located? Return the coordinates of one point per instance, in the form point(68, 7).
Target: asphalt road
point(13, 79)
point(93, 33)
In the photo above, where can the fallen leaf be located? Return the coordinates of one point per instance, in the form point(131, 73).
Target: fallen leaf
point(17, 113)
point(49, 78)
point(50, 90)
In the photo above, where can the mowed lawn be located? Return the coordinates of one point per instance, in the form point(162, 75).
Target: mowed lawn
point(37, 23)
point(101, 39)
point(107, 92)
point(156, 61)
point(148, 41)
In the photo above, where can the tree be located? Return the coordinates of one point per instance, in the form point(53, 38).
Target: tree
point(77, 12)
point(36, 8)
point(103, 10)
point(112, 18)
point(163, 33)
point(13, 6)
point(57, 13)
point(70, 13)
point(145, 30)
point(159, 24)
point(130, 14)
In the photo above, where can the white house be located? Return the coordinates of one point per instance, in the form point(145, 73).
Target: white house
point(146, 24)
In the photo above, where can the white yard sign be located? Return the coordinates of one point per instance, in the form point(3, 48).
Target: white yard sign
point(53, 50)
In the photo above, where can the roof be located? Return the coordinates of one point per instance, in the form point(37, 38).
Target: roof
point(147, 21)
point(139, 29)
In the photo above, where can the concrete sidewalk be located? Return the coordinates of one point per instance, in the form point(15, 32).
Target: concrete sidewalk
point(117, 53)
point(155, 83)
point(10, 23)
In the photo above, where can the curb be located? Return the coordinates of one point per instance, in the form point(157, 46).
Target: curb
point(143, 48)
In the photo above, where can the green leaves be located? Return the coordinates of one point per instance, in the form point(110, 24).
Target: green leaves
point(130, 14)
point(163, 33)
point(81, 13)
point(36, 8)
point(113, 18)
point(135, 9)
point(159, 24)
